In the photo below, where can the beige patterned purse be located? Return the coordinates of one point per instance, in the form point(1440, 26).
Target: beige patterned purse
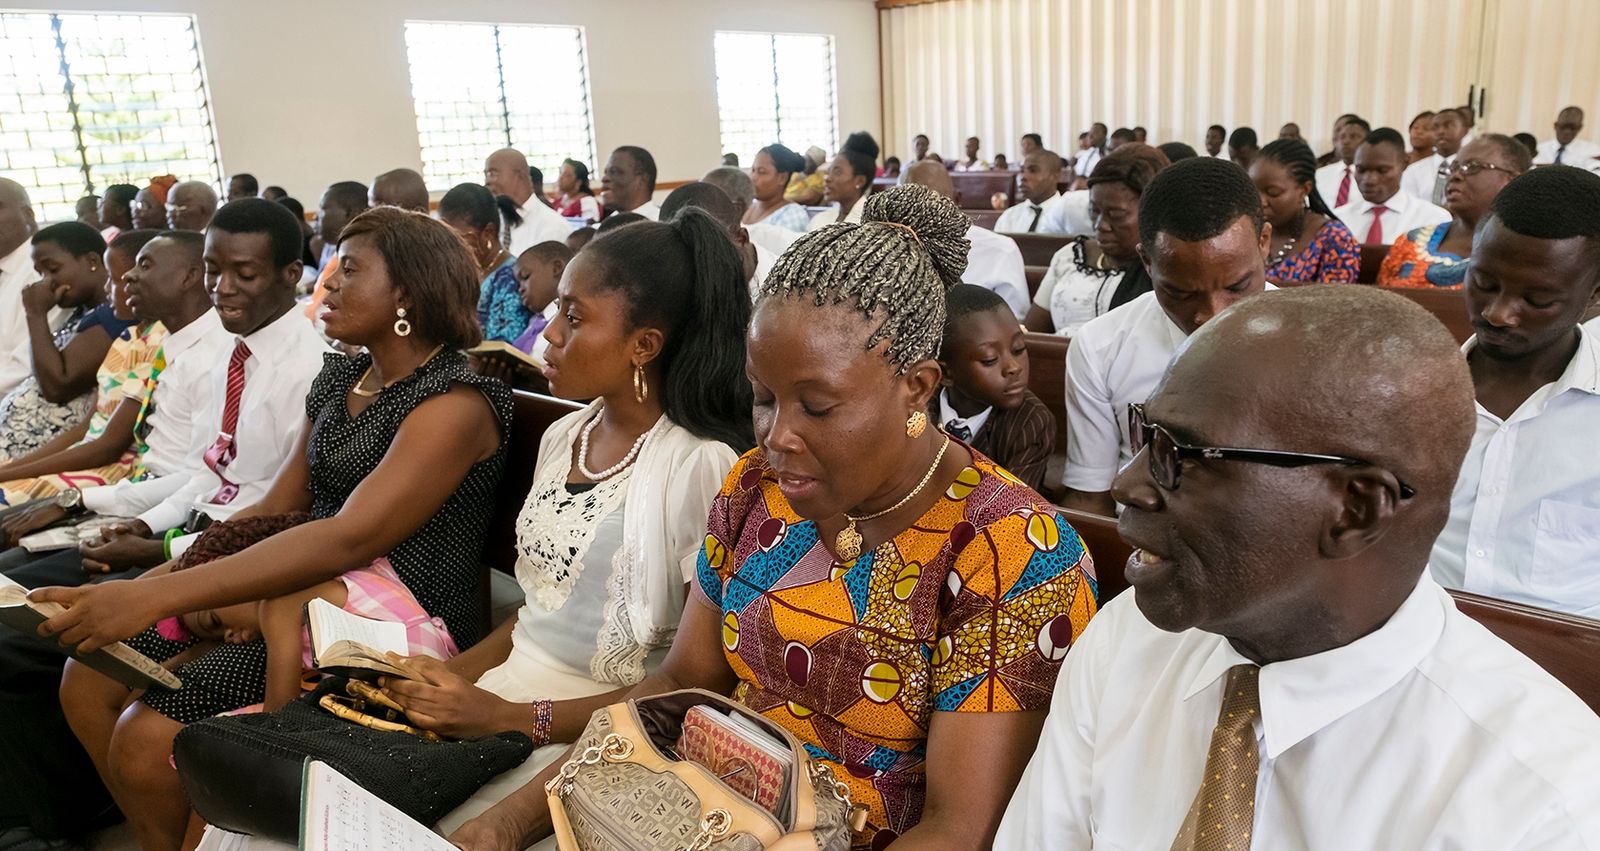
point(621, 791)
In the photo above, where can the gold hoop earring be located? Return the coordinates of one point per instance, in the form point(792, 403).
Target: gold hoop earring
point(641, 387)
point(402, 328)
point(916, 424)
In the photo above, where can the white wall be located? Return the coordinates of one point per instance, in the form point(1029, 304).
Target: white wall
point(308, 92)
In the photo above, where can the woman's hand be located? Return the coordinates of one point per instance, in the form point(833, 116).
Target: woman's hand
point(38, 297)
point(98, 615)
point(452, 706)
point(122, 546)
point(486, 833)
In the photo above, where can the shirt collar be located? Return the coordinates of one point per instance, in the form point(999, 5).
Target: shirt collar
point(187, 337)
point(279, 335)
point(1054, 197)
point(948, 413)
point(20, 259)
point(1300, 697)
point(1396, 203)
point(1581, 375)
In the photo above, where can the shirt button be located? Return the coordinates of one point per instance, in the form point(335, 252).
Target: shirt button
point(1478, 553)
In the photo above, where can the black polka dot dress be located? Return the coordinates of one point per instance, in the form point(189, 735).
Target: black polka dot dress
point(439, 562)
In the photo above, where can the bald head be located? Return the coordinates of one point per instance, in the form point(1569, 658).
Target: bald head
point(17, 223)
point(735, 182)
point(190, 206)
point(709, 198)
point(401, 188)
point(505, 172)
point(934, 176)
point(1294, 558)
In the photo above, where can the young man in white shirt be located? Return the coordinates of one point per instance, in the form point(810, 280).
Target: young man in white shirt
point(1336, 181)
point(1566, 148)
point(1041, 173)
point(1525, 518)
point(1204, 240)
point(1384, 211)
point(506, 173)
point(1425, 179)
point(994, 262)
point(1284, 674)
point(629, 181)
point(1086, 159)
point(1216, 135)
point(17, 227)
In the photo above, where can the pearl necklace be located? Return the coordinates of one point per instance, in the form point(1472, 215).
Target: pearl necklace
point(583, 452)
point(1288, 247)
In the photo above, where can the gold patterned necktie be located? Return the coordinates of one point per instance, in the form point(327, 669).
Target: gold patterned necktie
point(1223, 813)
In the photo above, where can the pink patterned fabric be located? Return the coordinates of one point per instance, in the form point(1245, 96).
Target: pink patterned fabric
point(376, 592)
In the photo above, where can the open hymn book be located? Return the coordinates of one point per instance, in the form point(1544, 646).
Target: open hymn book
point(346, 643)
point(338, 815)
point(117, 661)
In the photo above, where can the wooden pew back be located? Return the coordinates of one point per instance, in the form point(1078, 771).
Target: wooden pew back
point(975, 189)
point(1038, 249)
point(1372, 257)
point(1047, 378)
point(532, 414)
point(1450, 306)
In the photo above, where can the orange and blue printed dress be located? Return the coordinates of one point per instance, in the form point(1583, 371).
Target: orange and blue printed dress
point(970, 609)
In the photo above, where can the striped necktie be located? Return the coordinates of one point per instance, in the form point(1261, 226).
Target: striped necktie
point(1223, 813)
point(1344, 189)
point(225, 449)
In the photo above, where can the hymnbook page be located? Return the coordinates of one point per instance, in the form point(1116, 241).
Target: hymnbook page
point(338, 815)
point(336, 632)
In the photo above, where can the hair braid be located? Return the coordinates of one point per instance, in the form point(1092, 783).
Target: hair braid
point(896, 265)
point(1300, 161)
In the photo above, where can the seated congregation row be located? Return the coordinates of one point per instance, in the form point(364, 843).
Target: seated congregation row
point(907, 555)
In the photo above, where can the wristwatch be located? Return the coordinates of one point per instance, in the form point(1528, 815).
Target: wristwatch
point(70, 500)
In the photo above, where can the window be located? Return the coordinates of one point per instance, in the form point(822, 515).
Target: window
point(90, 100)
point(774, 88)
point(482, 87)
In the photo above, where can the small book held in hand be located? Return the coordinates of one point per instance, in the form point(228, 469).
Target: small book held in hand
point(117, 661)
point(507, 353)
point(347, 644)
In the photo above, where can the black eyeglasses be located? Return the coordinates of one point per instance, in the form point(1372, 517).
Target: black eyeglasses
point(1167, 453)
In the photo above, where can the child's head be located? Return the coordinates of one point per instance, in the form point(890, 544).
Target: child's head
point(233, 624)
point(983, 354)
point(539, 272)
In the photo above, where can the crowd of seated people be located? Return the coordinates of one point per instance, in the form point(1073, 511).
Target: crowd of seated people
point(795, 385)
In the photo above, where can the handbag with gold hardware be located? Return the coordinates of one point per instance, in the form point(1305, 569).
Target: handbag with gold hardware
point(625, 790)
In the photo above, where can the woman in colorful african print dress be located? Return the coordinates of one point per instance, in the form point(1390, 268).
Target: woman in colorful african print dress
point(1437, 255)
point(1309, 245)
point(877, 588)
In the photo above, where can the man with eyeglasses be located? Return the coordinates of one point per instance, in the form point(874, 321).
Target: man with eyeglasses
point(1525, 517)
point(1203, 240)
point(1285, 674)
point(190, 206)
point(1566, 148)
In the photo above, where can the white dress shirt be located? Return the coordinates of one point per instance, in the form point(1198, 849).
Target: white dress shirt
point(1525, 516)
point(182, 419)
point(1579, 153)
point(764, 261)
point(994, 262)
point(1083, 165)
point(16, 353)
point(1020, 215)
point(649, 209)
point(1405, 213)
point(1067, 215)
point(285, 356)
point(539, 224)
point(1115, 360)
point(1421, 176)
point(774, 239)
point(831, 216)
point(1328, 179)
point(1428, 734)
point(949, 417)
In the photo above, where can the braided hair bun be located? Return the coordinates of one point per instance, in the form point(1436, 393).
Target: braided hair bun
point(893, 267)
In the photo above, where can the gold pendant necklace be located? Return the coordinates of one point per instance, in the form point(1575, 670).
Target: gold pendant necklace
point(367, 394)
point(848, 542)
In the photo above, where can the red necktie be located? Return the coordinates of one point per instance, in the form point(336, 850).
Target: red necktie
point(223, 451)
point(1344, 189)
point(1375, 233)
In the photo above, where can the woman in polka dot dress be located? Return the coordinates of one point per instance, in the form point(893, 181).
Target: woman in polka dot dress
point(879, 589)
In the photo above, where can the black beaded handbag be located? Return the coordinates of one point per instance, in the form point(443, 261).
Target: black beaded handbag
point(242, 772)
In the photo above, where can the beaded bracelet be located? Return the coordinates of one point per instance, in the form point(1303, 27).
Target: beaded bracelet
point(166, 541)
point(542, 716)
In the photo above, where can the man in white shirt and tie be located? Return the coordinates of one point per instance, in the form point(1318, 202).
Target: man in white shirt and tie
point(1566, 148)
point(1336, 181)
point(506, 173)
point(17, 227)
point(1203, 238)
point(994, 262)
point(1041, 172)
point(629, 182)
point(1087, 157)
point(1383, 211)
point(1525, 518)
point(1425, 179)
point(1284, 674)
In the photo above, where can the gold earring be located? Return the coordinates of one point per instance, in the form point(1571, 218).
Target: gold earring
point(402, 328)
point(641, 387)
point(916, 424)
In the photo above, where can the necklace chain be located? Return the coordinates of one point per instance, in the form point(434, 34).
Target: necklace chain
point(926, 477)
point(360, 391)
point(583, 452)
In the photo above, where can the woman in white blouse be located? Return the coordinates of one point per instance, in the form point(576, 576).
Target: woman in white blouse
point(770, 174)
point(1090, 276)
point(847, 181)
point(651, 325)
